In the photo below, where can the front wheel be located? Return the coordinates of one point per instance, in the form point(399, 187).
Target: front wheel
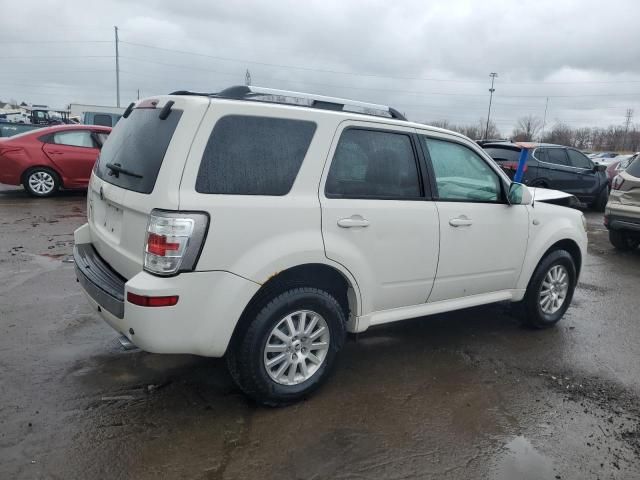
point(289, 348)
point(550, 290)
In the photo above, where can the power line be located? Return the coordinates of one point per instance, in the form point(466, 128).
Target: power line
point(51, 41)
point(19, 57)
point(341, 72)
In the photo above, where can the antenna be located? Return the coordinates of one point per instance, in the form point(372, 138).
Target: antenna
point(247, 78)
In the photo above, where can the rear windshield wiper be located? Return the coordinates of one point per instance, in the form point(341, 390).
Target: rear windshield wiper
point(117, 169)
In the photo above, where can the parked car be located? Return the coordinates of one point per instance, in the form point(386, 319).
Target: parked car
point(50, 158)
point(618, 165)
point(228, 224)
point(556, 167)
point(622, 215)
point(603, 156)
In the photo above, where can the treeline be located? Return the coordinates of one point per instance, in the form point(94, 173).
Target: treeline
point(616, 138)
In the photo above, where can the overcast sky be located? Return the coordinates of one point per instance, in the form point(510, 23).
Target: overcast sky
point(429, 59)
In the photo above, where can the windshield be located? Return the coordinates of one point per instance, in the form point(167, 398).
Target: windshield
point(135, 149)
point(634, 167)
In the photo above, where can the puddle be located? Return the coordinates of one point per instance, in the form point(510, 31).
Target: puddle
point(522, 461)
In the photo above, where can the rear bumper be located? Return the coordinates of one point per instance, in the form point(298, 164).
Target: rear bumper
point(201, 323)
point(617, 222)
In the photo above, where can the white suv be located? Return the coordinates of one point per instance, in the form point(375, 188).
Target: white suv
point(263, 225)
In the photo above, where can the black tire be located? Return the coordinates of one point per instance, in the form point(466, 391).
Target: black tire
point(534, 315)
point(622, 241)
point(601, 202)
point(30, 182)
point(245, 358)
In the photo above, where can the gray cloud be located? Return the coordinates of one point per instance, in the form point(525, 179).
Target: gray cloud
point(537, 47)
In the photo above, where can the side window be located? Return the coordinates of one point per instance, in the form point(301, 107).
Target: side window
point(253, 155)
point(373, 164)
point(461, 174)
point(578, 160)
point(541, 154)
point(557, 156)
point(78, 138)
point(101, 119)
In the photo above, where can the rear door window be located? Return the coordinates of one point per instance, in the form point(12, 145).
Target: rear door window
point(138, 144)
point(373, 164)
point(557, 156)
point(77, 138)
point(248, 155)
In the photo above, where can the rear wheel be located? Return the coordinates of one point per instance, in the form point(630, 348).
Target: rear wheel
point(621, 240)
point(41, 182)
point(289, 347)
point(550, 290)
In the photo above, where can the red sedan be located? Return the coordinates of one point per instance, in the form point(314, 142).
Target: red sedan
point(51, 158)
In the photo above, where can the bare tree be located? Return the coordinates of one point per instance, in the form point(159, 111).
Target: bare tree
point(527, 129)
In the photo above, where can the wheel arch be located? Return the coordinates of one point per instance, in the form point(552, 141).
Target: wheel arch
point(572, 248)
point(318, 275)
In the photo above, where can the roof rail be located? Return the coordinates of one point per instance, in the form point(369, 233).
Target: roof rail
point(262, 94)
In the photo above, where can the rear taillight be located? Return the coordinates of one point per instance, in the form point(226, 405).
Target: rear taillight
point(174, 241)
point(617, 182)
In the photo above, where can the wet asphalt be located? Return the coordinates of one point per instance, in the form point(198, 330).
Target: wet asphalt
point(466, 395)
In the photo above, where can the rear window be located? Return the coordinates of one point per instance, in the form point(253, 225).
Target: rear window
point(248, 155)
point(503, 154)
point(101, 119)
point(634, 168)
point(138, 144)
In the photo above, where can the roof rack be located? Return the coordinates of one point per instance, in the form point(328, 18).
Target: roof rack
point(271, 95)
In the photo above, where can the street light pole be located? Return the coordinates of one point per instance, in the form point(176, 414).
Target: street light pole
point(117, 69)
point(493, 76)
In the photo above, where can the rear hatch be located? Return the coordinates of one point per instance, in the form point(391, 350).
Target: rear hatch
point(506, 157)
point(139, 169)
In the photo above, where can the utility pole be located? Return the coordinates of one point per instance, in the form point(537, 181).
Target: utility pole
point(627, 122)
point(247, 78)
point(138, 94)
point(117, 69)
point(544, 120)
point(493, 76)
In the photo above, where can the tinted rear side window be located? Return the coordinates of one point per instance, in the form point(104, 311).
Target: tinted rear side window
point(254, 155)
point(138, 144)
point(557, 156)
point(373, 164)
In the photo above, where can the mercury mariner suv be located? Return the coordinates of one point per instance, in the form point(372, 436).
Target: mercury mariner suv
point(262, 225)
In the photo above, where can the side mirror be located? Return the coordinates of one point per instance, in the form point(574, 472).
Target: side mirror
point(519, 194)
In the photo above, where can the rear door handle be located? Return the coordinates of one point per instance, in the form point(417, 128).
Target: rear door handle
point(353, 221)
point(461, 221)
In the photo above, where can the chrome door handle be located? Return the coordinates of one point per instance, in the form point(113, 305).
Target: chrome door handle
point(461, 221)
point(353, 221)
